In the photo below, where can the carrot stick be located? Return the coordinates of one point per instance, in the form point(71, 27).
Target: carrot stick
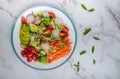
point(57, 55)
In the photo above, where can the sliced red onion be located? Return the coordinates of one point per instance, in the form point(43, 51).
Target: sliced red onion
point(37, 20)
point(45, 14)
point(30, 18)
point(58, 20)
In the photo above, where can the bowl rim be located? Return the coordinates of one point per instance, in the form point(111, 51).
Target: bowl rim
point(43, 5)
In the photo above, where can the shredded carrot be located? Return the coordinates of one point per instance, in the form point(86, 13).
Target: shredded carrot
point(60, 53)
point(65, 39)
point(51, 57)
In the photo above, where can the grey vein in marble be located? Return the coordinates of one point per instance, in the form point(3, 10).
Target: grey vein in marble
point(1, 8)
point(114, 15)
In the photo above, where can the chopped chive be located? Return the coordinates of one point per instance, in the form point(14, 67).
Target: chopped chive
point(96, 38)
point(83, 6)
point(82, 52)
point(86, 31)
point(77, 66)
point(93, 48)
point(91, 10)
point(94, 62)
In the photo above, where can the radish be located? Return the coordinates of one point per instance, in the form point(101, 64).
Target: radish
point(58, 20)
point(37, 20)
point(45, 14)
point(30, 18)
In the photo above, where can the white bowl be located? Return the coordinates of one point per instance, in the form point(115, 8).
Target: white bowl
point(15, 41)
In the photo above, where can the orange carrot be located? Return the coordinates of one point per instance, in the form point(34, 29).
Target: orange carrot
point(59, 54)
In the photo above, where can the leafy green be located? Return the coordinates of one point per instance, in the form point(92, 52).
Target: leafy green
point(41, 28)
point(48, 37)
point(96, 38)
point(46, 20)
point(93, 48)
point(94, 61)
point(42, 59)
point(82, 52)
point(36, 44)
point(37, 14)
point(42, 53)
point(33, 28)
point(77, 66)
point(86, 31)
point(58, 27)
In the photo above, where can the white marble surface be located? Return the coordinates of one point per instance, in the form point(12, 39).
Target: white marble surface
point(104, 22)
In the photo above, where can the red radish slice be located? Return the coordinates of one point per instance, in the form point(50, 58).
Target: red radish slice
point(58, 20)
point(30, 18)
point(37, 20)
point(45, 14)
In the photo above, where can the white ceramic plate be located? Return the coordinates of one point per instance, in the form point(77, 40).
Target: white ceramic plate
point(15, 41)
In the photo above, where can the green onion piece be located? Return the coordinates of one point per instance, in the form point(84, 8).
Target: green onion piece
point(82, 52)
point(96, 38)
point(93, 48)
point(83, 6)
point(77, 66)
point(94, 62)
point(86, 31)
point(91, 10)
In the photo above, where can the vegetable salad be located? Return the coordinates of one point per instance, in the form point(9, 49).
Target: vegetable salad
point(44, 37)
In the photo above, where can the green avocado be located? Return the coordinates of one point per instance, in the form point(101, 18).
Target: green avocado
point(25, 35)
point(33, 28)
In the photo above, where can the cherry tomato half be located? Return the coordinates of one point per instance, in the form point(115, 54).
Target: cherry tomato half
point(47, 31)
point(23, 20)
point(52, 14)
point(63, 34)
point(30, 54)
point(29, 59)
point(50, 27)
point(65, 29)
point(35, 58)
point(31, 49)
point(23, 53)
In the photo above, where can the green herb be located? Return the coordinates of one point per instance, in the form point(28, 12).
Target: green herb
point(93, 48)
point(94, 62)
point(83, 6)
point(82, 52)
point(96, 38)
point(77, 66)
point(86, 31)
point(91, 10)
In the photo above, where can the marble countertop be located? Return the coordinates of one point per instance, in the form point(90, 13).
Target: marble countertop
point(104, 22)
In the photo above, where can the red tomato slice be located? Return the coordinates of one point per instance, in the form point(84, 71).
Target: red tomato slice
point(65, 29)
point(50, 27)
point(63, 34)
point(47, 31)
point(23, 20)
point(52, 14)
